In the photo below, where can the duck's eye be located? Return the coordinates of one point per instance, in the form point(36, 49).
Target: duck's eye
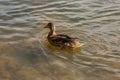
point(49, 24)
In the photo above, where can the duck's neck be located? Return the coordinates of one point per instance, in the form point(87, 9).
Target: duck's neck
point(52, 31)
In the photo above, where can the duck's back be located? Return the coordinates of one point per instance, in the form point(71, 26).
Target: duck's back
point(61, 40)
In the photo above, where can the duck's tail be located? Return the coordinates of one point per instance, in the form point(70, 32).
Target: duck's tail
point(82, 44)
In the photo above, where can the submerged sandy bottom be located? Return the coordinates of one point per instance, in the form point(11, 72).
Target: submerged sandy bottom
point(25, 60)
point(95, 22)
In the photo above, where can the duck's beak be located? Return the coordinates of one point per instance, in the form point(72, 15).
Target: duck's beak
point(46, 26)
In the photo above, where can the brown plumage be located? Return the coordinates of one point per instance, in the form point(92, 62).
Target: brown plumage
point(61, 39)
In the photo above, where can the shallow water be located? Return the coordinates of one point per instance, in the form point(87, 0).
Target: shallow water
point(25, 54)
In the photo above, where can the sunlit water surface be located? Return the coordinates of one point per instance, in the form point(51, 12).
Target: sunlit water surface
point(25, 54)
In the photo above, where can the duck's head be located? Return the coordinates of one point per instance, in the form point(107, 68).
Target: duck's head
point(50, 25)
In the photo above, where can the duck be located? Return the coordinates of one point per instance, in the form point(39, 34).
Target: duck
point(61, 40)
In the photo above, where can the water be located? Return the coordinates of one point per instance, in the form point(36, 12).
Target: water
point(24, 54)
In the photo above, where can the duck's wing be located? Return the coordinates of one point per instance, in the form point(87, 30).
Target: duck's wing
point(63, 40)
point(60, 39)
point(66, 36)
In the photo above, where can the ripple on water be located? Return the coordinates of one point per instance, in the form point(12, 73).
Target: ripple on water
point(95, 22)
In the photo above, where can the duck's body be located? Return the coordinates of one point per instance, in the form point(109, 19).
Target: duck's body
point(61, 40)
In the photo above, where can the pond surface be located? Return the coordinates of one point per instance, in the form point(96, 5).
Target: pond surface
point(25, 54)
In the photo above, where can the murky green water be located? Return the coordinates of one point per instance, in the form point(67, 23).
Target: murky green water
point(24, 54)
